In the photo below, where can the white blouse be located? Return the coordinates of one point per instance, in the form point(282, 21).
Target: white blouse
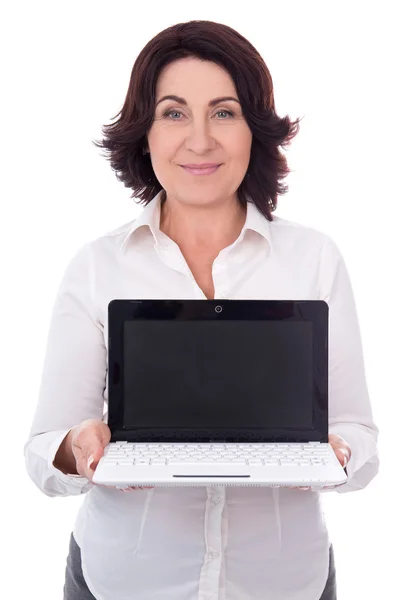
point(200, 543)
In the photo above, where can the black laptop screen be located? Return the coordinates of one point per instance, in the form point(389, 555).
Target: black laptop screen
point(199, 373)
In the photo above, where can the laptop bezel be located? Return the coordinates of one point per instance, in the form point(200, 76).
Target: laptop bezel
point(315, 311)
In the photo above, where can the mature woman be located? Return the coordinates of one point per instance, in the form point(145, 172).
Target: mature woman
point(197, 141)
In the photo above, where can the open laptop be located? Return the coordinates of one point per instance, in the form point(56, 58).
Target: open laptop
point(218, 392)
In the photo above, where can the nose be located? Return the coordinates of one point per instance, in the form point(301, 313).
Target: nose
point(199, 139)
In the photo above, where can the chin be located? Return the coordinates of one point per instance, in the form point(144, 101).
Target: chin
point(190, 197)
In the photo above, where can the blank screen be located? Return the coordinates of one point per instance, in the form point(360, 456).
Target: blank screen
point(239, 374)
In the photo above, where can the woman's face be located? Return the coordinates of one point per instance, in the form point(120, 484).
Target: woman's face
point(195, 132)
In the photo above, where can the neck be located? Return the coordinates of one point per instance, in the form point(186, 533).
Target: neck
point(212, 227)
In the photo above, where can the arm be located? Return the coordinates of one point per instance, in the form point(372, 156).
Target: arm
point(350, 413)
point(72, 383)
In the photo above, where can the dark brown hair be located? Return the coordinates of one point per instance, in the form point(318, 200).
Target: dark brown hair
point(125, 139)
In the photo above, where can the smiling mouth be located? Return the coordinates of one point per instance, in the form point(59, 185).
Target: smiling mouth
point(200, 170)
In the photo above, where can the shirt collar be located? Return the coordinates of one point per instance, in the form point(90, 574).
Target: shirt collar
point(150, 217)
point(256, 221)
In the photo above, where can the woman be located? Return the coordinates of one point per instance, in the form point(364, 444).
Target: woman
point(200, 97)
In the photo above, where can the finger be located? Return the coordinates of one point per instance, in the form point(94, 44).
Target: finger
point(90, 458)
point(87, 458)
point(342, 454)
point(88, 446)
point(94, 458)
point(346, 456)
point(111, 487)
point(329, 487)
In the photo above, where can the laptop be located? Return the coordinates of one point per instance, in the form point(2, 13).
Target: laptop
point(218, 392)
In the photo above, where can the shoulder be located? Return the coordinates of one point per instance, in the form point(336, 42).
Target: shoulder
point(110, 241)
point(99, 252)
point(295, 236)
point(310, 248)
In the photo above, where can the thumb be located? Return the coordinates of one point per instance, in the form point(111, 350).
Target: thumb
point(94, 455)
point(95, 449)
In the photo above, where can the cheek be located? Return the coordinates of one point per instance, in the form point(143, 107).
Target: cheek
point(239, 146)
point(165, 149)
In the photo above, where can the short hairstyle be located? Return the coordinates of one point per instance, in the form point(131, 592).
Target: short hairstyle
point(125, 139)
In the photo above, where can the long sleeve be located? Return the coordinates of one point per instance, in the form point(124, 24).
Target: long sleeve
point(350, 412)
point(73, 378)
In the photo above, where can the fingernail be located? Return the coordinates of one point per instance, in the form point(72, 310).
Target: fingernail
point(90, 460)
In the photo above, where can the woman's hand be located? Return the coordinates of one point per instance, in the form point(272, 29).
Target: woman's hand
point(342, 451)
point(341, 448)
point(82, 449)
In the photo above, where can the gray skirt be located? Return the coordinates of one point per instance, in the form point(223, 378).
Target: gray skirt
point(75, 587)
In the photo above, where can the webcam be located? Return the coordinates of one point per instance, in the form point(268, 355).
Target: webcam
point(218, 309)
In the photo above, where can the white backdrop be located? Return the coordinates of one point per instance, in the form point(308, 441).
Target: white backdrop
point(65, 71)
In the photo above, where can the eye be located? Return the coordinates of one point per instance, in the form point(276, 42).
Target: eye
point(228, 112)
point(172, 110)
point(169, 112)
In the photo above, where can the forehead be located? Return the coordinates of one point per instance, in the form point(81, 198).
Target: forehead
point(193, 78)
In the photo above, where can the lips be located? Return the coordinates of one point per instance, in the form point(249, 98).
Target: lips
point(201, 165)
point(194, 170)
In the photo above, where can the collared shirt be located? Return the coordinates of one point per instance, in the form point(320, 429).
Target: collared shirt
point(197, 543)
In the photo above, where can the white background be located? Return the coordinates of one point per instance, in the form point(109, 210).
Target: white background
point(65, 72)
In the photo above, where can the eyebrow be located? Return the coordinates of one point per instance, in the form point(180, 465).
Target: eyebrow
point(182, 101)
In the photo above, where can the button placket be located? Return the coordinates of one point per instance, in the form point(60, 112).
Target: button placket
point(214, 530)
point(213, 554)
point(210, 574)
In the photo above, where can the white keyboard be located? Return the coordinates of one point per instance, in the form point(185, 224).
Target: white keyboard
point(143, 454)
